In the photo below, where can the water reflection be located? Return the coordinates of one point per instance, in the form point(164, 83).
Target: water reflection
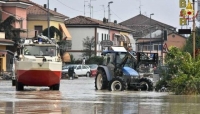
point(37, 102)
point(116, 104)
point(79, 97)
point(147, 104)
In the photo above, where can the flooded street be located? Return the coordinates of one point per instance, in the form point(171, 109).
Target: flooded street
point(80, 97)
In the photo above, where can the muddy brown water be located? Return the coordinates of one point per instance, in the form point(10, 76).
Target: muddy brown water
point(79, 97)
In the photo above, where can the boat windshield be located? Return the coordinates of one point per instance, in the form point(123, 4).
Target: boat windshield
point(40, 50)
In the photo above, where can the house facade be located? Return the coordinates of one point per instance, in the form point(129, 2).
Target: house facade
point(16, 8)
point(82, 27)
point(149, 34)
point(37, 16)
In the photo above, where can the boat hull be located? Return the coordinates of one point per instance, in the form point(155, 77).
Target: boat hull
point(32, 73)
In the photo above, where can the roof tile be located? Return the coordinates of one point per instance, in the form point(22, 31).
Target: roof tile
point(37, 9)
point(140, 22)
point(82, 20)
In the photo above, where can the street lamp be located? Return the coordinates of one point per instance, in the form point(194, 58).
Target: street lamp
point(109, 10)
point(150, 32)
point(109, 18)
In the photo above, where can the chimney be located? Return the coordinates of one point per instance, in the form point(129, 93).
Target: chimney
point(45, 6)
point(115, 21)
point(55, 9)
point(104, 20)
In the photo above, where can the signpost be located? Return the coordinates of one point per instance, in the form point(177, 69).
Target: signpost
point(106, 43)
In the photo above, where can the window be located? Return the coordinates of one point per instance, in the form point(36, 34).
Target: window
point(160, 47)
point(155, 47)
point(107, 37)
point(79, 67)
point(97, 37)
point(40, 50)
point(68, 45)
point(84, 67)
point(102, 37)
point(38, 28)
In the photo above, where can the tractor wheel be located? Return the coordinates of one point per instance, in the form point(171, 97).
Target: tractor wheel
point(19, 86)
point(101, 81)
point(146, 84)
point(117, 84)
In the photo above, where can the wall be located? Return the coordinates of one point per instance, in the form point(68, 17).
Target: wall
point(112, 34)
point(4, 58)
point(175, 40)
point(32, 24)
point(101, 31)
point(20, 12)
point(77, 39)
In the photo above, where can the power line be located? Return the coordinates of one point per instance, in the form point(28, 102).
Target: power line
point(75, 9)
point(69, 7)
point(116, 15)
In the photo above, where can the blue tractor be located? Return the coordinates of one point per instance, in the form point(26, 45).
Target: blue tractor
point(119, 71)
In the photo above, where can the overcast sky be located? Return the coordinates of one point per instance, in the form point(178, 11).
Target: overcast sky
point(166, 11)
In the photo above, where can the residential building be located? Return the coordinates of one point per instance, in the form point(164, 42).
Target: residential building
point(149, 34)
point(37, 17)
point(81, 27)
point(17, 9)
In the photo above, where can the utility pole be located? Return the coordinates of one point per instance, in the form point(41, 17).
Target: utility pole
point(194, 35)
point(150, 33)
point(48, 19)
point(84, 7)
point(109, 10)
point(109, 18)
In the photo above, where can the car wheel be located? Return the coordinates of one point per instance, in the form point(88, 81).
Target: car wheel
point(88, 74)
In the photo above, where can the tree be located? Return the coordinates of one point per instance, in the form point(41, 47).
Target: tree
point(183, 74)
point(63, 44)
point(11, 32)
point(88, 45)
point(7, 26)
point(53, 32)
point(189, 43)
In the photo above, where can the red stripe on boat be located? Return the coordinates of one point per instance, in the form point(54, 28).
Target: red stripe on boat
point(38, 77)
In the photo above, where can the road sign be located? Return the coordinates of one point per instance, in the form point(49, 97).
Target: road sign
point(184, 31)
point(106, 43)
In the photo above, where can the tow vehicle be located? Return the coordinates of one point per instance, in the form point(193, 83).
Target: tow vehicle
point(120, 70)
point(38, 64)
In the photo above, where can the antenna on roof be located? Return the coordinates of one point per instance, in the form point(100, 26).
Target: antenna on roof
point(140, 7)
point(103, 9)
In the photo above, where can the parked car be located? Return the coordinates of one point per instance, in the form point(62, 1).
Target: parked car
point(93, 69)
point(79, 69)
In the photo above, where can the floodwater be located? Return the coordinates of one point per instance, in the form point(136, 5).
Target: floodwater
point(79, 97)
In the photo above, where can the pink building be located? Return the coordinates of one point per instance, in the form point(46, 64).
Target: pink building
point(16, 8)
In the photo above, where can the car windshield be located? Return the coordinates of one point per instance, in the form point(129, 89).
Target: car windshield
point(40, 50)
point(93, 66)
point(67, 66)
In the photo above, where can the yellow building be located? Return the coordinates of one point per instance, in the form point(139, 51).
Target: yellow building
point(5, 54)
point(37, 17)
point(127, 37)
